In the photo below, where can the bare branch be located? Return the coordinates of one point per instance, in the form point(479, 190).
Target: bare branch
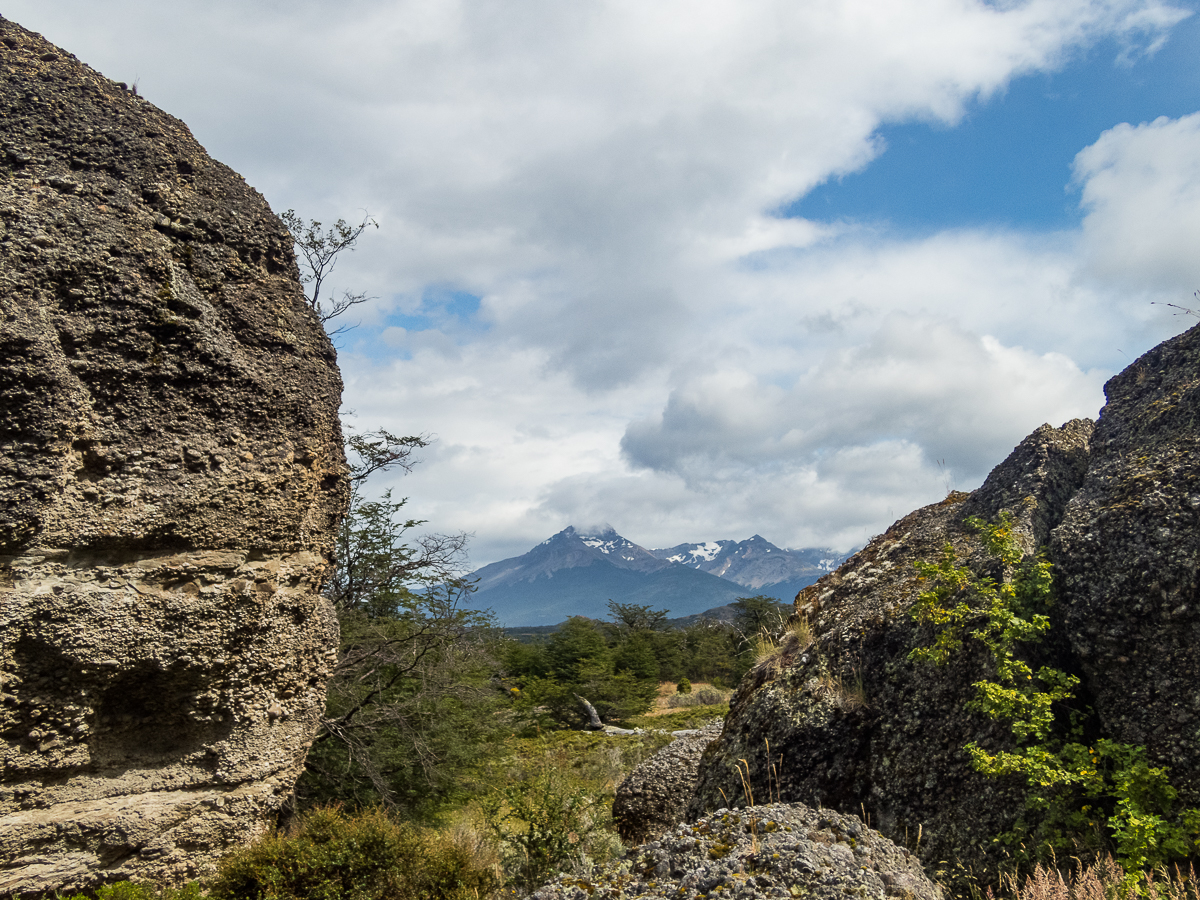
point(319, 252)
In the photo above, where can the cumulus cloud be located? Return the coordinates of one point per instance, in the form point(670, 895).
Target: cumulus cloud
point(652, 345)
point(1141, 192)
point(916, 382)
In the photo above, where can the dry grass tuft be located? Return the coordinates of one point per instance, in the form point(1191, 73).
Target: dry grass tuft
point(1104, 879)
point(847, 693)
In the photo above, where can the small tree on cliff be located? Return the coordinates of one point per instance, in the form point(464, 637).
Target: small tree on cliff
point(319, 252)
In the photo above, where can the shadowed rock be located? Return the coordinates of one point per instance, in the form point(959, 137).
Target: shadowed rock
point(171, 479)
point(1127, 553)
point(654, 796)
point(841, 717)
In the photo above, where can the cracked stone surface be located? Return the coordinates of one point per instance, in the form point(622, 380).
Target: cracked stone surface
point(171, 481)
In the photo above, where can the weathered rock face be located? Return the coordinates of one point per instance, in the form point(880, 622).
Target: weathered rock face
point(846, 720)
point(853, 723)
point(778, 850)
point(171, 477)
point(654, 796)
point(1127, 553)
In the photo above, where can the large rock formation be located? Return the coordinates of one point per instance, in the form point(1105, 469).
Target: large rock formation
point(1128, 554)
point(853, 723)
point(171, 477)
point(848, 720)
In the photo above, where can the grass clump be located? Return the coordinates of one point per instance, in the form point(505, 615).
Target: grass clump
point(131, 890)
point(707, 696)
point(1104, 879)
point(332, 855)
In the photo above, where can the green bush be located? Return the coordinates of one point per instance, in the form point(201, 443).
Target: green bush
point(1075, 790)
point(330, 855)
point(684, 686)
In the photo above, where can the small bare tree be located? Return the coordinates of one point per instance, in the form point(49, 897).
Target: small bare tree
point(319, 252)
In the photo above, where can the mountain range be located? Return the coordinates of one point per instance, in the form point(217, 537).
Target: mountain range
point(577, 572)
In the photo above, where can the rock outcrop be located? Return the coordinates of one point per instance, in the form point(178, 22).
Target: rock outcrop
point(171, 479)
point(775, 851)
point(654, 796)
point(853, 723)
point(1128, 557)
point(843, 718)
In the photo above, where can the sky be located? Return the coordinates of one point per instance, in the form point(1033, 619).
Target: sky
point(700, 269)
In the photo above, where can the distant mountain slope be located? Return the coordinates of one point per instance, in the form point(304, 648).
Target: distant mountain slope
point(756, 563)
point(576, 573)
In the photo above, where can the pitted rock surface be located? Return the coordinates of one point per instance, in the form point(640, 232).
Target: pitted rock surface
point(778, 850)
point(171, 480)
point(1127, 554)
point(846, 720)
point(654, 796)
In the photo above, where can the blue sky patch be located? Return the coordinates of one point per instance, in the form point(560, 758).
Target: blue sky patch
point(1008, 163)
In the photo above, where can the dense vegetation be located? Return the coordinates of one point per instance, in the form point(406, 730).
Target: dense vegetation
point(1085, 793)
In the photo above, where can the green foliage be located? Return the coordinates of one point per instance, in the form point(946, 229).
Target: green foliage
point(684, 686)
point(636, 656)
point(1075, 791)
point(758, 615)
point(630, 617)
point(410, 710)
point(334, 856)
point(540, 825)
point(553, 811)
point(130, 890)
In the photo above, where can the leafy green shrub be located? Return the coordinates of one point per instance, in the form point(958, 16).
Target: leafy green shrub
point(330, 855)
point(1073, 789)
point(541, 824)
point(684, 686)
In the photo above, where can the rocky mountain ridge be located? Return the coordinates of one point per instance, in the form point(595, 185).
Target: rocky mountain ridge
point(756, 563)
point(577, 572)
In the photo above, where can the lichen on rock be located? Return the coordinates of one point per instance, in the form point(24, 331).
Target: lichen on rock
point(171, 480)
point(777, 850)
point(654, 796)
point(1126, 553)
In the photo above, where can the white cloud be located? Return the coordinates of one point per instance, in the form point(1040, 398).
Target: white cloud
point(1141, 190)
point(602, 175)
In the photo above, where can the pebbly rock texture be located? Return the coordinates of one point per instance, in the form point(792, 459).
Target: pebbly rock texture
point(654, 796)
point(777, 850)
point(171, 479)
point(1127, 554)
point(841, 717)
